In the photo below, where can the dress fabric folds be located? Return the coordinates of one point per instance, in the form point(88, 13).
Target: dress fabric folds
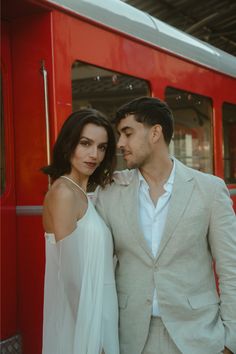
point(80, 301)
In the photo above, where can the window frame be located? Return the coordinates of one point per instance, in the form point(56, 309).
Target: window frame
point(211, 120)
point(226, 103)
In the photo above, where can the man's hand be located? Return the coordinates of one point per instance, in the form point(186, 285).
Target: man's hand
point(227, 351)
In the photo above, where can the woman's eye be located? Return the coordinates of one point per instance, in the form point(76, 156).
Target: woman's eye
point(103, 148)
point(84, 143)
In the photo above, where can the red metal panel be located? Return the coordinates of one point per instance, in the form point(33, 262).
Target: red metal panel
point(30, 282)
point(7, 202)
point(31, 42)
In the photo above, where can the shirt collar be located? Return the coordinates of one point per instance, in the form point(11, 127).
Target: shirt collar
point(167, 186)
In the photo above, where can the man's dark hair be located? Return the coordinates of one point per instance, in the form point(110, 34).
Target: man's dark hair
point(149, 111)
point(68, 139)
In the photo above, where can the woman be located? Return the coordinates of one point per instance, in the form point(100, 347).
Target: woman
point(80, 301)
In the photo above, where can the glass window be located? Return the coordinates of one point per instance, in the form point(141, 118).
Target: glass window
point(104, 90)
point(2, 155)
point(192, 143)
point(229, 142)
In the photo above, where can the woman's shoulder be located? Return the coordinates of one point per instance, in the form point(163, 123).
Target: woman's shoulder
point(62, 208)
point(60, 192)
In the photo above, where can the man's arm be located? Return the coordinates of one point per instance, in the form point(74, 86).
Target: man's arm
point(222, 240)
point(101, 203)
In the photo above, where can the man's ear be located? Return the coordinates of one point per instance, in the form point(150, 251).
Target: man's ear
point(156, 132)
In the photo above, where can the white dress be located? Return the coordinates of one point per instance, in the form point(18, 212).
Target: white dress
point(80, 300)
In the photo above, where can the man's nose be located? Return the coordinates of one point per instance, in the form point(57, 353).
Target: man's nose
point(120, 143)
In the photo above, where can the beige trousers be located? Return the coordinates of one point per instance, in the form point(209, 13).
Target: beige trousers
point(159, 341)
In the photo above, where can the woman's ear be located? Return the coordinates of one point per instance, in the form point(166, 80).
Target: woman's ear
point(156, 133)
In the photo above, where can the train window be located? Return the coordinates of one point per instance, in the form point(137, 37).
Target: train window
point(192, 142)
point(2, 155)
point(104, 90)
point(229, 134)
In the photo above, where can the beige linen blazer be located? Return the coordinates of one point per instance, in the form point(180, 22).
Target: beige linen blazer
point(200, 227)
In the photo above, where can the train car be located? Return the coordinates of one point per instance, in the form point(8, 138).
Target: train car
point(61, 55)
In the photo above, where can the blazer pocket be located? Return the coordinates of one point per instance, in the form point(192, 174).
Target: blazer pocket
point(122, 300)
point(200, 300)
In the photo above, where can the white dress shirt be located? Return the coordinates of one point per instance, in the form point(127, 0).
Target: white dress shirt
point(153, 219)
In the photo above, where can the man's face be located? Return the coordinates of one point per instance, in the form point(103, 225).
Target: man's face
point(134, 142)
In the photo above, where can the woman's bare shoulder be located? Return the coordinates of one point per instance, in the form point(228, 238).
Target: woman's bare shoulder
point(60, 210)
point(60, 192)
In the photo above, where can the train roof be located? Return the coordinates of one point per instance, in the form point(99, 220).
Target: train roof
point(129, 20)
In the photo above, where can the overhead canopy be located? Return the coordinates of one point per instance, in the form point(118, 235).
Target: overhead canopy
point(211, 21)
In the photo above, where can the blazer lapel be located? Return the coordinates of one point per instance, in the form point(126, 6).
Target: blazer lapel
point(131, 212)
point(181, 193)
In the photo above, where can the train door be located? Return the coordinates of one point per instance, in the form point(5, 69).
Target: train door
point(9, 338)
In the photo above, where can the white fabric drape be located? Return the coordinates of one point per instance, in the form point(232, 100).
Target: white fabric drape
point(74, 290)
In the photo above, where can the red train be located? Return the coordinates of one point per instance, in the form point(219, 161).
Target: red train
point(60, 55)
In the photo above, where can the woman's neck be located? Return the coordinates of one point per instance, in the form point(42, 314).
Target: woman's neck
point(82, 182)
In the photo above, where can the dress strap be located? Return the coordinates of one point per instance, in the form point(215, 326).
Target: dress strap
point(76, 184)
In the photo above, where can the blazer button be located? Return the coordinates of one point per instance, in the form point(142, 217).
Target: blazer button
point(149, 302)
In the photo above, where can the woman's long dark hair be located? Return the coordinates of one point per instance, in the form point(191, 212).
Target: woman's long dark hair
point(68, 139)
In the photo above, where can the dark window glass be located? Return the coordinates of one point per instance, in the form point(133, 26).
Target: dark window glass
point(229, 142)
point(2, 158)
point(104, 90)
point(192, 143)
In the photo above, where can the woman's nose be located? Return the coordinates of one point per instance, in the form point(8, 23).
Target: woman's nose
point(94, 152)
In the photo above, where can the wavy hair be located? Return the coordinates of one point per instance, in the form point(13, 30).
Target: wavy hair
point(68, 139)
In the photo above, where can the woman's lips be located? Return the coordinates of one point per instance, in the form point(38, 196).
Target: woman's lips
point(91, 164)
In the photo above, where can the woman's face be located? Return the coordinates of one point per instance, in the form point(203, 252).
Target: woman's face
point(90, 151)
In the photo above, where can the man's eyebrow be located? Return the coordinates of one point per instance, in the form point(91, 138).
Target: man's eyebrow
point(125, 128)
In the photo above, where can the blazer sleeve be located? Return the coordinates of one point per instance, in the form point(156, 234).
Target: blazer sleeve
point(101, 203)
point(222, 240)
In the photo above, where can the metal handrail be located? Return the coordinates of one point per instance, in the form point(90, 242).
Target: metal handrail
point(45, 84)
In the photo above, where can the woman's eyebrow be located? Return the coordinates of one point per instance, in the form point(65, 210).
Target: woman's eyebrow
point(85, 137)
point(92, 141)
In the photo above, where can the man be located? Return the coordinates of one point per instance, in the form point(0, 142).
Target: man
point(169, 222)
